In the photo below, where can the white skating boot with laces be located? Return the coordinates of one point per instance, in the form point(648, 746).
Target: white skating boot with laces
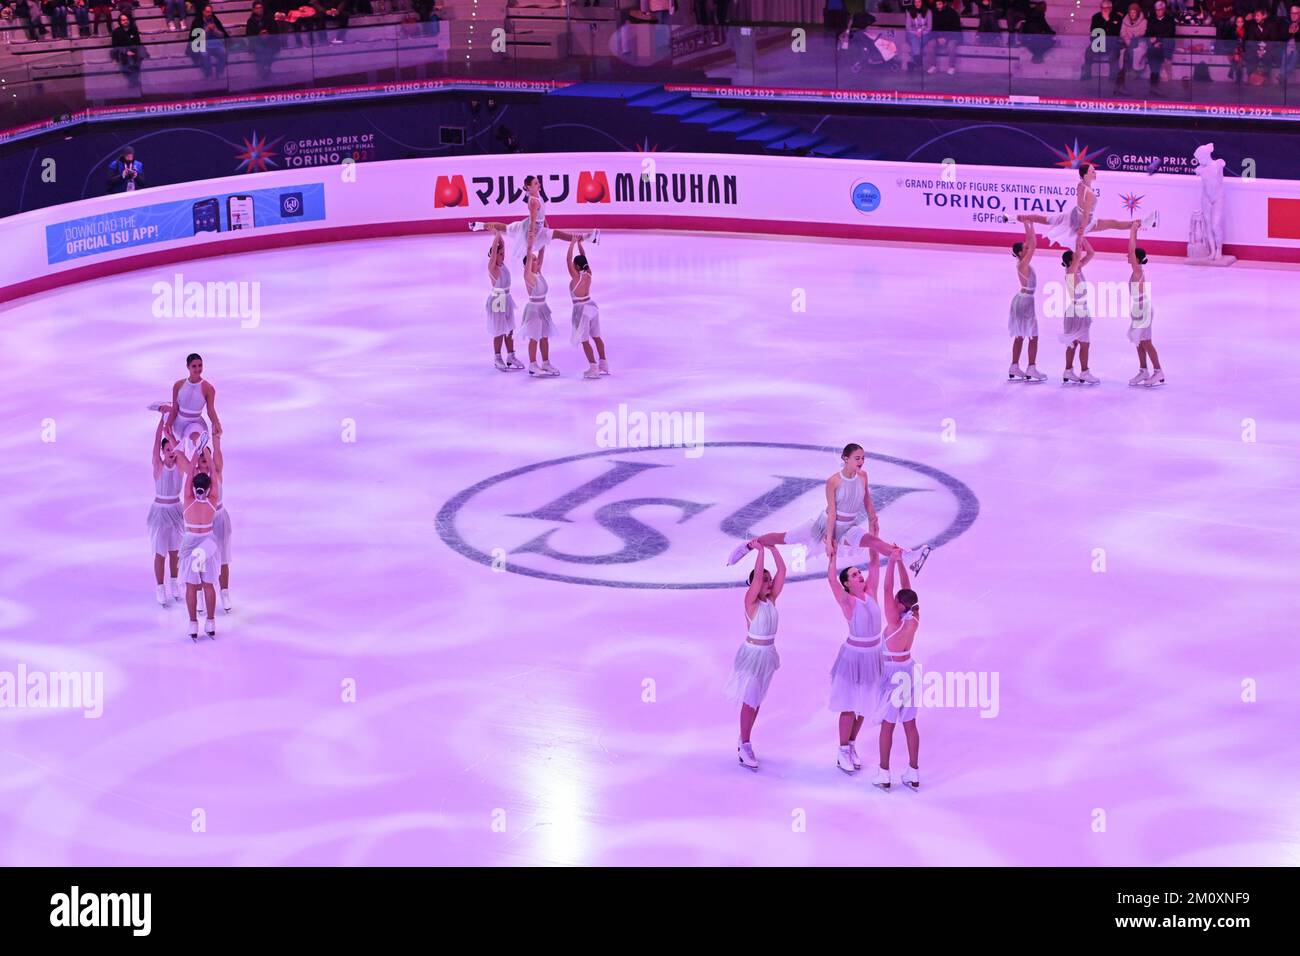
point(745, 754)
point(844, 760)
point(1033, 375)
point(1140, 378)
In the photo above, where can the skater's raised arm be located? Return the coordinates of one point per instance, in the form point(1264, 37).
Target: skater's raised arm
point(873, 575)
point(217, 459)
point(891, 612)
point(1031, 245)
point(573, 270)
point(157, 454)
point(837, 588)
point(755, 581)
point(778, 582)
point(1088, 253)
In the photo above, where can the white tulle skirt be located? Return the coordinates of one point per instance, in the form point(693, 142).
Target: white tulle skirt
point(855, 679)
point(166, 525)
point(900, 692)
point(1063, 228)
point(221, 531)
point(200, 558)
point(517, 240)
point(751, 673)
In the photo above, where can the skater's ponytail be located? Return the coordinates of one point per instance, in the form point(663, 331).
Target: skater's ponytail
point(907, 597)
point(1084, 169)
point(1067, 258)
point(1141, 256)
point(1017, 248)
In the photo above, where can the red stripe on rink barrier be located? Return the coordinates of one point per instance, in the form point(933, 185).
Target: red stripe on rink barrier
point(816, 230)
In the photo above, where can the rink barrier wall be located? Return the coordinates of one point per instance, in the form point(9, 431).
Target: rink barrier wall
point(821, 198)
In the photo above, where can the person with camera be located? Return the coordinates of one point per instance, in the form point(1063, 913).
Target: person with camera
point(126, 173)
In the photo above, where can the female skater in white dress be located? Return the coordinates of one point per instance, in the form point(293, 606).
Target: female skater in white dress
point(756, 660)
point(1069, 228)
point(855, 675)
point(1023, 321)
point(849, 522)
point(166, 523)
point(212, 463)
point(1142, 313)
point(537, 326)
point(1078, 318)
point(899, 690)
point(528, 236)
point(200, 553)
point(586, 314)
point(191, 397)
point(501, 307)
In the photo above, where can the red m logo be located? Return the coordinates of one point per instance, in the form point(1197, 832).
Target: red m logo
point(450, 191)
point(593, 187)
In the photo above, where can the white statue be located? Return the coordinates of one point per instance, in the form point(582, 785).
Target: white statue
point(1210, 171)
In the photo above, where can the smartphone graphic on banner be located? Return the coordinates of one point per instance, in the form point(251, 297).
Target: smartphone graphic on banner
point(240, 209)
point(207, 216)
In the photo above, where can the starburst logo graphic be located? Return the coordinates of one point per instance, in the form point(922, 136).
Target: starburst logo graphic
point(1072, 156)
point(1130, 201)
point(257, 155)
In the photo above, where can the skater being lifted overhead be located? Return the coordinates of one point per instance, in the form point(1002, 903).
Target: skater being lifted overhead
point(849, 523)
point(529, 236)
point(1070, 228)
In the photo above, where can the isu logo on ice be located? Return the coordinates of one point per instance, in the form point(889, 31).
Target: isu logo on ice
point(653, 517)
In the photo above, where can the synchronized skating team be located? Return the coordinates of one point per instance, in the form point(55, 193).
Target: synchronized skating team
point(873, 677)
point(1071, 229)
point(188, 521)
point(526, 240)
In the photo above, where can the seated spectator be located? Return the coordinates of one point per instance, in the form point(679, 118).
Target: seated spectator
point(1108, 21)
point(1017, 12)
point(1160, 41)
point(1132, 37)
point(127, 50)
point(1036, 33)
point(56, 12)
point(174, 13)
point(1236, 35)
point(946, 36)
point(263, 41)
point(207, 41)
point(1261, 36)
point(989, 29)
point(126, 173)
point(919, 25)
point(29, 13)
point(336, 10)
point(81, 13)
point(101, 11)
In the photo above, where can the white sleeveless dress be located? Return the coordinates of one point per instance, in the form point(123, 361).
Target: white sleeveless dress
point(1141, 311)
point(1078, 320)
point(190, 408)
point(752, 670)
point(166, 523)
point(1063, 228)
point(851, 521)
point(537, 323)
point(200, 558)
point(900, 684)
point(517, 233)
point(1023, 322)
point(501, 306)
point(855, 675)
point(586, 319)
